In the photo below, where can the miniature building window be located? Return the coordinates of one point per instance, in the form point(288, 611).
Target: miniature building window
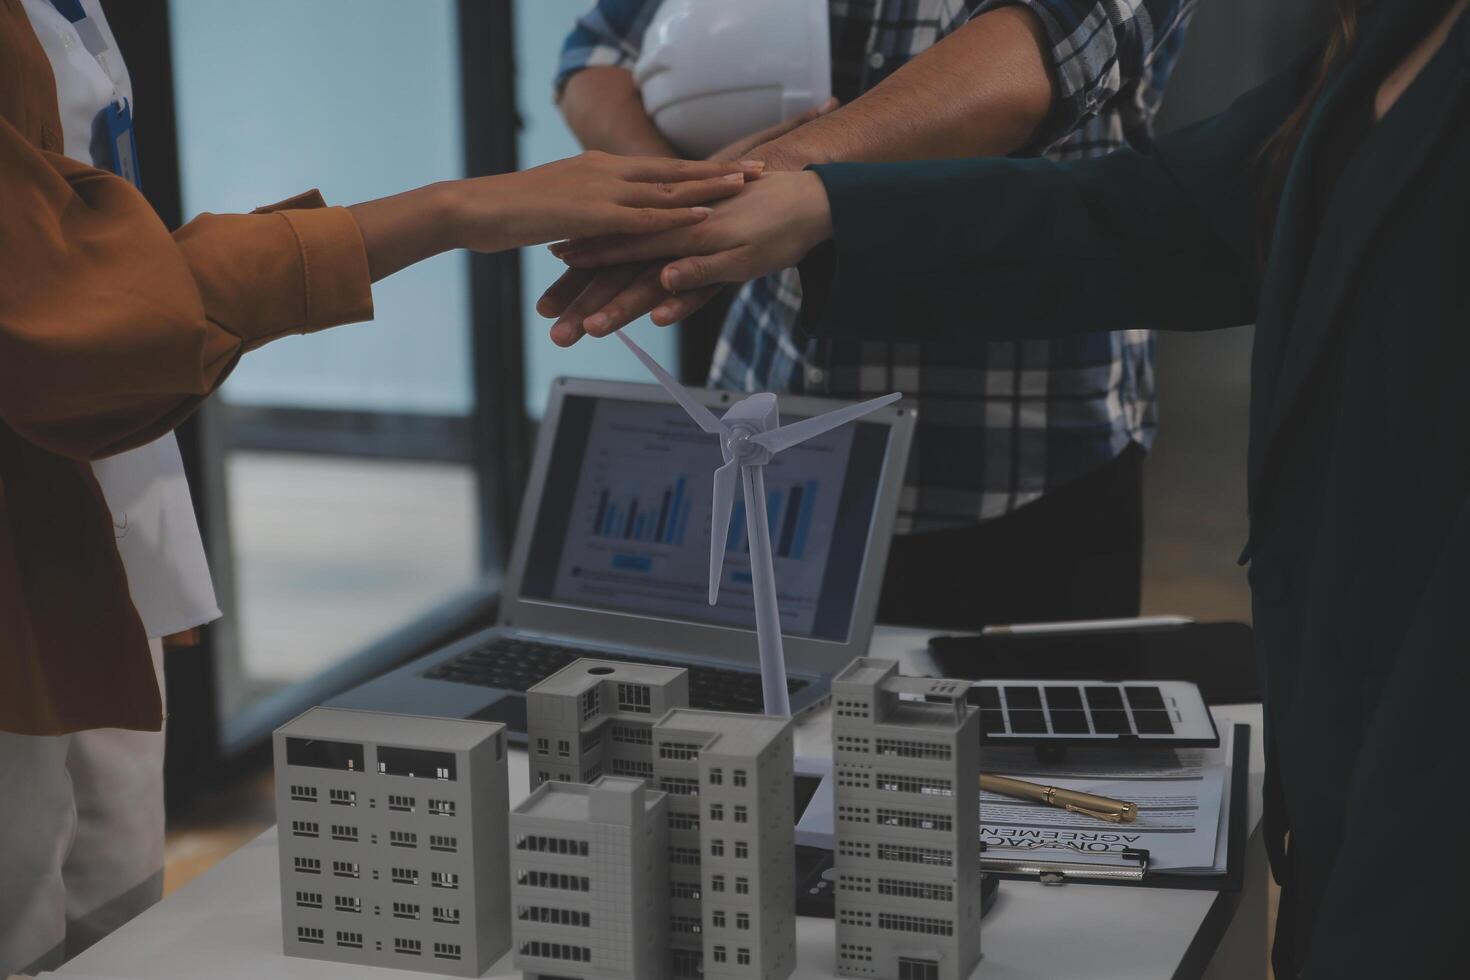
point(742, 813)
point(543, 777)
point(543, 746)
point(445, 914)
point(444, 879)
point(742, 849)
point(742, 886)
point(739, 778)
point(632, 767)
point(853, 917)
point(343, 831)
point(305, 828)
point(684, 889)
point(406, 876)
point(309, 900)
point(717, 918)
point(678, 751)
point(853, 814)
point(591, 740)
point(446, 951)
point(717, 811)
point(719, 954)
point(927, 890)
point(683, 821)
point(591, 703)
point(742, 957)
point(346, 869)
point(914, 820)
point(863, 954)
point(635, 698)
point(415, 763)
point(405, 910)
point(441, 808)
point(716, 777)
point(632, 734)
point(906, 749)
point(412, 947)
point(563, 748)
point(854, 883)
point(917, 969)
point(403, 804)
point(342, 797)
point(678, 785)
point(685, 924)
point(548, 879)
point(311, 934)
point(554, 916)
point(894, 922)
point(352, 940)
point(688, 964)
point(552, 845)
point(857, 849)
point(717, 848)
point(684, 855)
point(303, 794)
point(308, 866)
point(742, 920)
point(717, 883)
point(922, 785)
point(347, 903)
point(439, 842)
point(915, 855)
point(556, 951)
point(320, 754)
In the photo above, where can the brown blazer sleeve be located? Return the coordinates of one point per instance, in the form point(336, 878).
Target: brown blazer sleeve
point(112, 330)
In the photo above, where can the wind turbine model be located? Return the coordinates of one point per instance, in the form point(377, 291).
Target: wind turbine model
point(750, 434)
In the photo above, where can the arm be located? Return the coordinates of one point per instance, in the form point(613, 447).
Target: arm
point(594, 82)
point(1007, 248)
point(112, 330)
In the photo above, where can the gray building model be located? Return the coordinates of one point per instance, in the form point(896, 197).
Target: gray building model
point(393, 833)
point(589, 882)
point(729, 781)
point(905, 765)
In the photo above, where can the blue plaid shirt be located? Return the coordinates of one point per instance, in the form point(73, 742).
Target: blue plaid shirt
point(999, 424)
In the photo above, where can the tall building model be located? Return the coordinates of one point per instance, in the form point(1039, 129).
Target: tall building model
point(589, 887)
point(729, 781)
point(905, 761)
point(393, 840)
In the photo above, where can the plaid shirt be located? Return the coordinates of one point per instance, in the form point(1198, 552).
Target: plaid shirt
point(999, 423)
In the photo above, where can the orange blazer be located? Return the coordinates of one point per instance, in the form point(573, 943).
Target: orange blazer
point(112, 330)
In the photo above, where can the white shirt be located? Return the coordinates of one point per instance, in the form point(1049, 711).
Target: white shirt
point(157, 534)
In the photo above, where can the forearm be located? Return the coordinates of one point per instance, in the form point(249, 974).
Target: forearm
point(602, 108)
point(406, 228)
point(982, 91)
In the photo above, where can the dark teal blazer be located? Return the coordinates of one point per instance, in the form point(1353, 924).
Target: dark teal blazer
point(1359, 468)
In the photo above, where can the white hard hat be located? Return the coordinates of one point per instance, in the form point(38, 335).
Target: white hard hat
point(716, 71)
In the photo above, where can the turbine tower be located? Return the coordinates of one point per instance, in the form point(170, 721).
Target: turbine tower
point(750, 434)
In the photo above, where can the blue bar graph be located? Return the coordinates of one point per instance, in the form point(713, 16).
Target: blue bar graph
point(661, 520)
point(790, 517)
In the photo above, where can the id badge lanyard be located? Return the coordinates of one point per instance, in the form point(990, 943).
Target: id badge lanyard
point(122, 143)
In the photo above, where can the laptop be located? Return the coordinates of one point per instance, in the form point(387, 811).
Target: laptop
point(611, 558)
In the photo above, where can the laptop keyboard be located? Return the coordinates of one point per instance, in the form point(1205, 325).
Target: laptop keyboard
point(518, 665)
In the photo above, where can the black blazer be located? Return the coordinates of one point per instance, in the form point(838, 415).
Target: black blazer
point(1360, 434)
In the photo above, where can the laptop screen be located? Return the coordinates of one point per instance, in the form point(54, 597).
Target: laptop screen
point(624, 520)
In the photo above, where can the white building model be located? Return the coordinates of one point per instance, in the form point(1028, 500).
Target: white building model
point(589, 886)
point(393, 840)
point(906, 766)
point(729, 780)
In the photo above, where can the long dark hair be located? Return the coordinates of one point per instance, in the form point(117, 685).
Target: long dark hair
point(1280, 149)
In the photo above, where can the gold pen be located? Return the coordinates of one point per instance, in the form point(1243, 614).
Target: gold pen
point(1113, 811)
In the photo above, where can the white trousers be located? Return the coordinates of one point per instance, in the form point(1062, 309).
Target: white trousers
point(81, 839)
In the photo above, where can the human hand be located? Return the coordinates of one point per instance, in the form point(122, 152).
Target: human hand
point(771, 226)
point(587, 195)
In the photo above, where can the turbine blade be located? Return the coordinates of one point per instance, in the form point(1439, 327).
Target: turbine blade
point(798, 432)
point(719, 524)
point(701, 415)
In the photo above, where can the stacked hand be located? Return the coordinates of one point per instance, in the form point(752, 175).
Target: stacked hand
point(771, 226)
point(613, 282)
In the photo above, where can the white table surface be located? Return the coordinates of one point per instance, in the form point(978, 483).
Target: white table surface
point(226, 924)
